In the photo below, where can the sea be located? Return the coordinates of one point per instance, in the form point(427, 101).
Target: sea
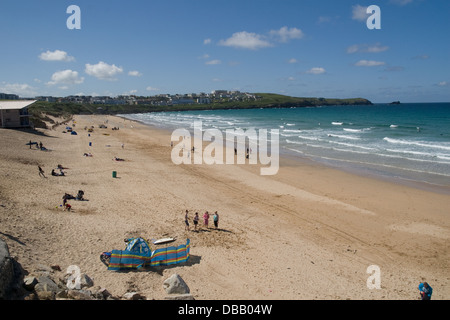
point(408, 142)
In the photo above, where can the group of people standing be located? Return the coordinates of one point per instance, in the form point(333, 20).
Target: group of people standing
point(196, 220)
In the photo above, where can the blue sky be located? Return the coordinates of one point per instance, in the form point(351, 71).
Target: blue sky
point(315, 48)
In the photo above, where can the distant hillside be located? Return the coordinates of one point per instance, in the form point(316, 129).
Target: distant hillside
point(40, 109)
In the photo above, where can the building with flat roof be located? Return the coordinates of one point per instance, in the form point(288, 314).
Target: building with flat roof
point(14, 113)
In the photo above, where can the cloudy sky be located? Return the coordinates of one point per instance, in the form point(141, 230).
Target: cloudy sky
point(319, 48)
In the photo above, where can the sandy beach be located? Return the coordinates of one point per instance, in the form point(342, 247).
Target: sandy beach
point(309, 232)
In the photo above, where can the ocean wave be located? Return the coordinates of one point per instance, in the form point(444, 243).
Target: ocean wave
point(310, 138)
point(343, 137)
point(294, 131)
point(289, 135)
point(295, 142)
point(357, 130)
point(353, 146)
point(416, 143)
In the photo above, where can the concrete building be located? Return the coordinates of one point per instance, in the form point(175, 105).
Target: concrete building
point(14, 114)
point(6, 96)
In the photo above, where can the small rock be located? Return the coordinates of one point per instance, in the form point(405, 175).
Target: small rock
point(132, 296)
point(79, 294)
point(56, 268)
point(85, 281)
point(61, 294)
point(46, 295)
point(186, 296)
point(46, 284)
point(176, 285)
point(29, 283)
point(101, 294)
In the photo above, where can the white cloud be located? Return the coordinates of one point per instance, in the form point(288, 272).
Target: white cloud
point(359, 13)
point(317, 70)
point(66, 77)
point(207, 41)
point(103, 71)
point(254, 41)
point(246, 40)
point(376, 48)
point(323, 19)
point(21, 89)
point(57, 55)
point(443, 84)
point(134, 73)
point(285, 34)
point(213, 62)
point(293, 60)
point(369, 63)
point(151, 89)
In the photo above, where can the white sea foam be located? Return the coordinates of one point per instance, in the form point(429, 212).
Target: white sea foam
point(356, 130)
point(294, 131)
point(417, 143)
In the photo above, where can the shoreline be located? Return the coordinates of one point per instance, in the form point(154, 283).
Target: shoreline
point(291, 159)
point(309, 232)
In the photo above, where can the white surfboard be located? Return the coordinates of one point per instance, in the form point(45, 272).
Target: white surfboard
point(162, 241)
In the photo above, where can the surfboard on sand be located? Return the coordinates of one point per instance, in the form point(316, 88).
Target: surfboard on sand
point(164, 240)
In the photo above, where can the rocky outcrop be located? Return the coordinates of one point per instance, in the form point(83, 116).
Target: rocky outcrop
point(50, 283)
point(6, 271)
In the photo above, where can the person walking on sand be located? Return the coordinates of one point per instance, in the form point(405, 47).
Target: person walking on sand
point(216, 219)
point(196, 218)
point(186, 221)
point(206, 219)
point(41, 172)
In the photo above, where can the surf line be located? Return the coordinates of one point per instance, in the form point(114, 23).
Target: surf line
point(257, 143)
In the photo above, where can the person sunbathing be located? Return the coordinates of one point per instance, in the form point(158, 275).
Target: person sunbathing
point(57, 174)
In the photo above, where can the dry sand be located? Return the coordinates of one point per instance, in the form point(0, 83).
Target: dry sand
point(309, 232)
